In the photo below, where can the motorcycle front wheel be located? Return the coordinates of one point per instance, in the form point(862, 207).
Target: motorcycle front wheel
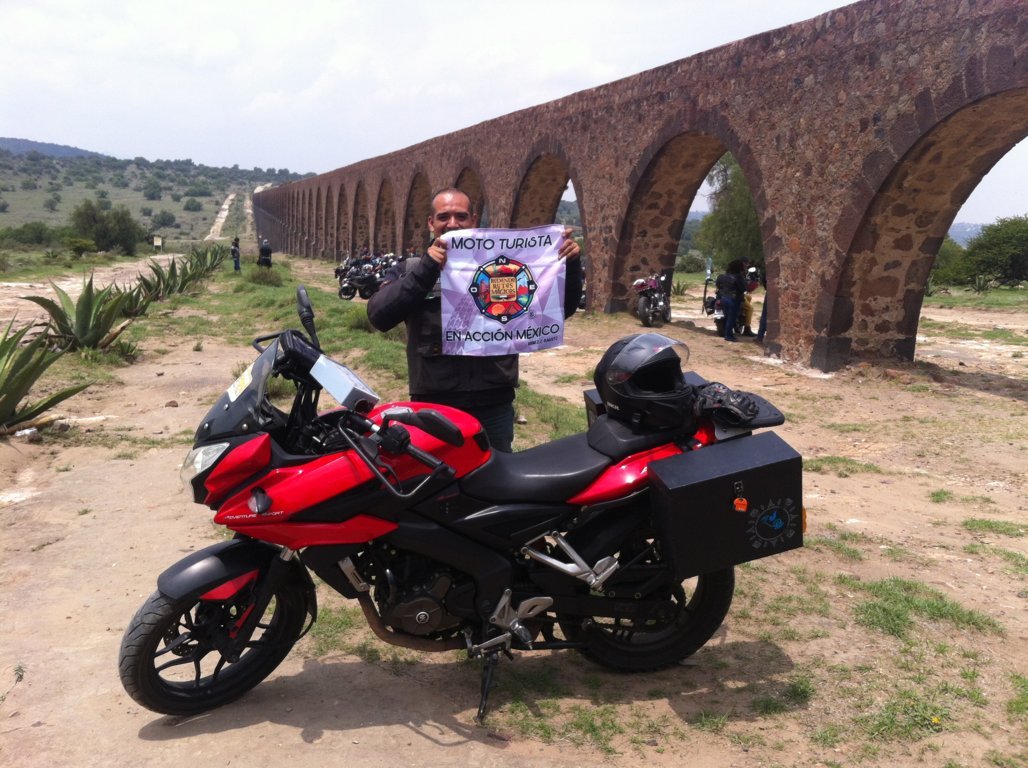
point(170, 660)
point(644, 312)
point(347, 292)
point(693, 612)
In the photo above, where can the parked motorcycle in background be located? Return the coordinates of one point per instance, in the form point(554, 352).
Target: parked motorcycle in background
point(653, 303)
point(712, 302)
point(362, 277)
point(712, 308)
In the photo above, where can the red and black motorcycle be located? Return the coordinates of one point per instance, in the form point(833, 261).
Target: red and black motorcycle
point(619, 542)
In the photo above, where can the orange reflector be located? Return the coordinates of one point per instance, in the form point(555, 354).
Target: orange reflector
point(803, 512)
point(741, 505)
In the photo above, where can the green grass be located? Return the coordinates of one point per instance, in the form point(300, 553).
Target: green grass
point(895, 603)
point(908, 714)
point(839, 466)
point(961, 297)
point(998, 527)
point(840, 542)
point(1017, 561)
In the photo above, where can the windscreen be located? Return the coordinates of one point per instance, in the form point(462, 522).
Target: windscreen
point(241, 409)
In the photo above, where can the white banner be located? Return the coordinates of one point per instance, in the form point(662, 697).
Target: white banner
point(502, 291)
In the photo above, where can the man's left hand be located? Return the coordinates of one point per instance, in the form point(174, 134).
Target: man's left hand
point(569, 249)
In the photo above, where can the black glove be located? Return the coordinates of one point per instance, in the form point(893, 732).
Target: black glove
point(725, 405)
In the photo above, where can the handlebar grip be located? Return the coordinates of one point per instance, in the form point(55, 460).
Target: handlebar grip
point(425, 458)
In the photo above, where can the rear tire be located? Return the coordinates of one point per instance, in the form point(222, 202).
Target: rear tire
point(169, 660)
point(701, 604)
point(720, 325)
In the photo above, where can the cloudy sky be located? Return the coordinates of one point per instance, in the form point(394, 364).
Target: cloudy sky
point(313, 85)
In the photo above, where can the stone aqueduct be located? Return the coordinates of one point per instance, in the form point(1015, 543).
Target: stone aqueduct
point(861, 133)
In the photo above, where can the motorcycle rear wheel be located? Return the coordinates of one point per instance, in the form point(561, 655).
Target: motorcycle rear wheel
point(366, 291)
point(169, 660)
point(644, 312)
point(347, 292)
point(701, 604)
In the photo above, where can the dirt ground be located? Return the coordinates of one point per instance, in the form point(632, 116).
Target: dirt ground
point(84, 531)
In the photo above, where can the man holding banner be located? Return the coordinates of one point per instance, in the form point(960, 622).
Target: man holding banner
point(472, 302)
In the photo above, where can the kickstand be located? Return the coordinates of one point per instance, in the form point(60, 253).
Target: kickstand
point(488, 670)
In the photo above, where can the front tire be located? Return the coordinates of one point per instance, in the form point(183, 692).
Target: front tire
point(699, 606)
point(347, 292)
point(170, 662)
point(644, 312)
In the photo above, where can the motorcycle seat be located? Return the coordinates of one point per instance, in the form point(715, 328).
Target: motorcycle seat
point(551, 472)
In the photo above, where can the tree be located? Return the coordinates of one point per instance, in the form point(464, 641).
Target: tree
point(192, 204)
point(152, 189)
point(951, 265)
point(730, 230)
point(1000, 250)
point(109, 229)
point(163, 219)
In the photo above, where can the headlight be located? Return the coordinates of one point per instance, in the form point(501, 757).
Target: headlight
point(200, 460)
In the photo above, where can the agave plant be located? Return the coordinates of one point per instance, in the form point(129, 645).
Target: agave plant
point(137, 300)
point(88, 323)
point(20, 368)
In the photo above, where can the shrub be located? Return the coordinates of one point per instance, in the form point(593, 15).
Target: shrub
point(192, 204)
point(263, 276)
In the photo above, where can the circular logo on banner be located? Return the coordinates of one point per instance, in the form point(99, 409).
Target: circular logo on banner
point(503, 289)
point(773, 523)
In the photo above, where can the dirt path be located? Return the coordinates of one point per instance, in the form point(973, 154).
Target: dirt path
point(84, 531)
point(219, 219)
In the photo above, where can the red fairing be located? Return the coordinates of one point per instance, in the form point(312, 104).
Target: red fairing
point(357, 530)
point(625, 478)
point(463, 459)
point(295, 488)
point(240, 463)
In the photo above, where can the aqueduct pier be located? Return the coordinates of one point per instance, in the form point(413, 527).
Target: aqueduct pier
point(861, 133)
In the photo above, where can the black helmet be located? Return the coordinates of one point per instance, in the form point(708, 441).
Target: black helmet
point(641, 383)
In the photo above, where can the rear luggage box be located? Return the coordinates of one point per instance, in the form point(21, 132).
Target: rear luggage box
point(728, 503)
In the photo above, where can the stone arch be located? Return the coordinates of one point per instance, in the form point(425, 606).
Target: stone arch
point(342, 224)
point(469, 181)
point(361, 232)
point(669, 175)
point(416, 213)
point(873, 309)
point(539, 191)
point(385, 219)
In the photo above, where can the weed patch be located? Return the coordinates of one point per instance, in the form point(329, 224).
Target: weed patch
point(897, 601)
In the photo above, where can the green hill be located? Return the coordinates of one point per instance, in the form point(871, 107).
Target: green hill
point(42, 183)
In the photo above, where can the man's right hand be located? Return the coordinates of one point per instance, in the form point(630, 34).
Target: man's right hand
point(437, 252)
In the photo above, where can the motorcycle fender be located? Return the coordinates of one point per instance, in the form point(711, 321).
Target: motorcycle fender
point(202, 571)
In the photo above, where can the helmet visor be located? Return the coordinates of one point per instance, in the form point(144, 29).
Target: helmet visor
point(641, 351)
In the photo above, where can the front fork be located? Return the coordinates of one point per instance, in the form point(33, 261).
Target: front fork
point(278, 572)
